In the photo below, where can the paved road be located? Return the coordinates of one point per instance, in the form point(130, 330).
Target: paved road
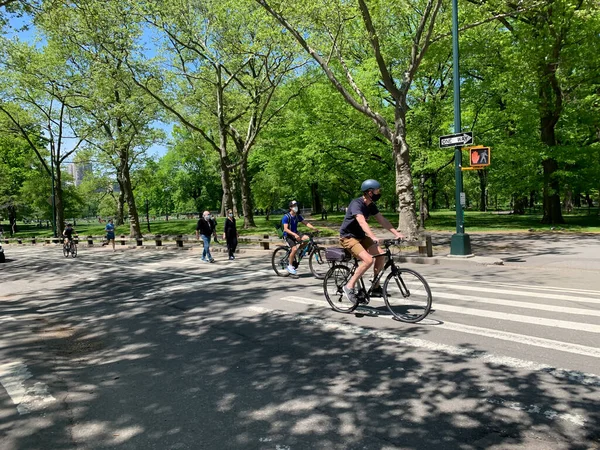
point(154, 350)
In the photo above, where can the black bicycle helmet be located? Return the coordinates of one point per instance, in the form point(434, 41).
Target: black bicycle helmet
point(369, 184)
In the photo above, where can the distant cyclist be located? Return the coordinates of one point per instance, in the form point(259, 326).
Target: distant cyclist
point(357, 237)
point(290, 223)
point(68, 233)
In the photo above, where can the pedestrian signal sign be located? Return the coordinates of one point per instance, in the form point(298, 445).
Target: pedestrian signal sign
point(479, 156)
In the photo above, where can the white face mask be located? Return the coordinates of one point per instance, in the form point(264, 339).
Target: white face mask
point(230, 215)
point(295, 209)
point(207, 217)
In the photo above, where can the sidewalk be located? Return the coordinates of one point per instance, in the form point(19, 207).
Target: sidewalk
point(527, 249)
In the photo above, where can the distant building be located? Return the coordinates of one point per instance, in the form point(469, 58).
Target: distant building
point(78, 171)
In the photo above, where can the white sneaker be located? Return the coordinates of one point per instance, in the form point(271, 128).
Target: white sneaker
point(292, 270)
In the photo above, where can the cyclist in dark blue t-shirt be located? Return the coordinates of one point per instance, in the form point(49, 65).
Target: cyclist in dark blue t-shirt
point(357, 237)
point(290, 223)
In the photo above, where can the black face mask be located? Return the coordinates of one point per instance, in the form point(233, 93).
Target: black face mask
point(375, 197)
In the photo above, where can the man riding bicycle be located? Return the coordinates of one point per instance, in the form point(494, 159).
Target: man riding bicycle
point(357, 237)
point(68, 233)
point(290, 223)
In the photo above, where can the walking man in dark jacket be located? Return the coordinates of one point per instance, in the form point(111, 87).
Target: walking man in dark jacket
point(205, 229)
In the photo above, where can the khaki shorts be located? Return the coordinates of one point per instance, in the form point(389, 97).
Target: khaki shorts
point(356, 246)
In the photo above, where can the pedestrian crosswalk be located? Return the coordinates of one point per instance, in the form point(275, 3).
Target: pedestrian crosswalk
point(559, 319)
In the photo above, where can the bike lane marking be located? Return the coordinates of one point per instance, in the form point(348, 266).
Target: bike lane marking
point(550, 344)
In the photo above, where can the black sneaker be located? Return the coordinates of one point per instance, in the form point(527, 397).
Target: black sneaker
point(377, 292)
point(350, 294)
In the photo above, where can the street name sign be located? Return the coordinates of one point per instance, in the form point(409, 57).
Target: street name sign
point(456, 140)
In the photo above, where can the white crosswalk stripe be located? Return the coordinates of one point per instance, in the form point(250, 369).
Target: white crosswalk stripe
point(567, 309)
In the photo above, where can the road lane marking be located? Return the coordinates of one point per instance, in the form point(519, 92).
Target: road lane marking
point(518, 304)
point(516, 293)
point(576, 376)
point(551, 414)
point(13, 376)
point(550, 344)
point(517, 286)
point(529, 320)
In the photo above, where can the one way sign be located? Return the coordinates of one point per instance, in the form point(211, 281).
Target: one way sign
point(456, 140)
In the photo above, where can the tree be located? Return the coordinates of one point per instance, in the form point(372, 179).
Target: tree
point(115, 114)
point(398, 37)
point(43, 86)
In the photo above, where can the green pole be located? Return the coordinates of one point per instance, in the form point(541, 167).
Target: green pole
point(460, 245)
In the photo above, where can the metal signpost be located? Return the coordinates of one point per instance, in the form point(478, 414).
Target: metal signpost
point(460, 245)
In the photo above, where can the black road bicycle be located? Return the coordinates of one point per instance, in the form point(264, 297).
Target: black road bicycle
point(70, 248)
point(316, 258)
point(405, 292)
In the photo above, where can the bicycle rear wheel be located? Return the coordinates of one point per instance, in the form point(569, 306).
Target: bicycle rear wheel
point(66, 251)
point(333, 284)
point(280, 260)
point(317, 263)
point(407, 295)
point(73, 250)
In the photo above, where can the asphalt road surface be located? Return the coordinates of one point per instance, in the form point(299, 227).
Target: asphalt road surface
point(147, 349)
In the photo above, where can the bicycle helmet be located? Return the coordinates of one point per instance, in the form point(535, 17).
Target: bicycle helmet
point(369, 184)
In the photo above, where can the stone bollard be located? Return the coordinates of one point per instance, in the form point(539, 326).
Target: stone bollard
point(90, 241)
point(19, 241)
point(138, 242)
point(179, 241)
point(158, 240)
point(122, 239)
point(265, 245)
point(33, 240)
point(76, 239)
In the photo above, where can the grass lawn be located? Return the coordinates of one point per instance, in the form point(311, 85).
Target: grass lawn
point(442, 220)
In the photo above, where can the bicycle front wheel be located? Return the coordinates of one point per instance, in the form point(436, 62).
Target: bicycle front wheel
point(317, 263)
point(407, 295)
point(336, 278)
point(74, 251)
point(280, 260)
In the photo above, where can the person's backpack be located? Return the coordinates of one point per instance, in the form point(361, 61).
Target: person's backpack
point(279, 227)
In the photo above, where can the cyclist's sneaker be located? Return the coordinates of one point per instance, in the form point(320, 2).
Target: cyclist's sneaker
point(292, 270)
point(204, 260)
point(211, 260)
point(350, 294)
point(377, 292)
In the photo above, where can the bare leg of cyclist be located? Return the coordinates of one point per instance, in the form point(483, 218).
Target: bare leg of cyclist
point(293, 254)
point(379, 262)
point(367, 261)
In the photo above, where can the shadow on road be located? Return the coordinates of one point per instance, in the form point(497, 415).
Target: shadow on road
point(201, 369)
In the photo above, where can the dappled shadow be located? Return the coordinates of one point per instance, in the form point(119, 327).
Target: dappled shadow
point(134, 362)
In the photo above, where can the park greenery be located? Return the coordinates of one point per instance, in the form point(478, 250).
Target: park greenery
point(258, 102)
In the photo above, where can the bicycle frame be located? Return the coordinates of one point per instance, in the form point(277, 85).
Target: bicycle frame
point(389, 263)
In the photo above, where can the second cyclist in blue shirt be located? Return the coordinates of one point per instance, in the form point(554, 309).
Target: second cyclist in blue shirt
point(290, 223)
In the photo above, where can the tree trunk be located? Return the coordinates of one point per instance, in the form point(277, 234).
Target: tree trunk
point(119, 220)
point(552, 207)
point(317, 206)
point(482, 190)
point(227, 202)
point(550, 105)
point(568, 203)
point(407, 221)
point(246, 194)
point(126, 187)
point(60, 206)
